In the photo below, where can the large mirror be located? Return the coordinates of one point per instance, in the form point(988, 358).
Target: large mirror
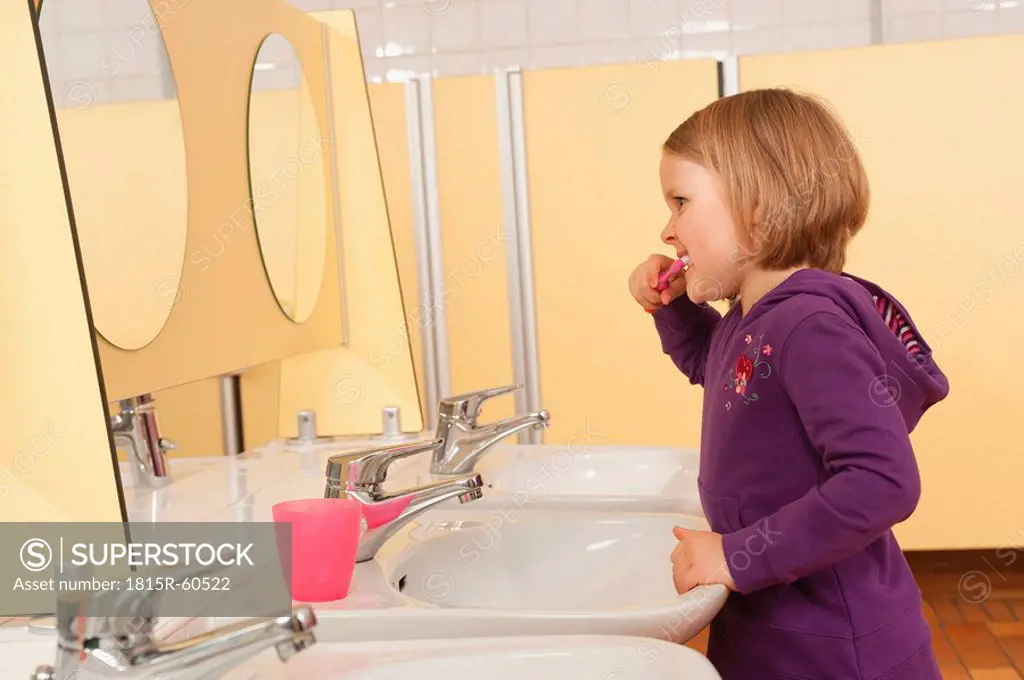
point(287, 155)
point(56, 463)
point(120, 130)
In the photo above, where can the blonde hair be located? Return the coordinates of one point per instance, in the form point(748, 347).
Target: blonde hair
point(792, 177)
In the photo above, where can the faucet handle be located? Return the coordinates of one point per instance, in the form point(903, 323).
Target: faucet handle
point(88, 616)
point(368, 467)
point(466, 407)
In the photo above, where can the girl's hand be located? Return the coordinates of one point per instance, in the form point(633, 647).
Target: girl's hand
point(699, 560)
point(643, 283)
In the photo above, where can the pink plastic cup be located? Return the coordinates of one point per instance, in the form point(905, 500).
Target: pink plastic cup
point(325, 536)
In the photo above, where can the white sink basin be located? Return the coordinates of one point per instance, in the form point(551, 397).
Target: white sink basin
point(20, 657)
point(510, 658)
point(459, 573)
point(644, 478)
point(546, 563)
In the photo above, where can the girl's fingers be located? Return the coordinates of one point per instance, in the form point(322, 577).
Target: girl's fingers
point(682, 581)
point(676, 287)
point(656, 264)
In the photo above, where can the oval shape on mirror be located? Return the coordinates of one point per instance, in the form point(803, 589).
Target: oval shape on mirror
point(286, 178)
point(120, 130)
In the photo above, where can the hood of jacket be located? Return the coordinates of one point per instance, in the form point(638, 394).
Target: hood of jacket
point(913, 381)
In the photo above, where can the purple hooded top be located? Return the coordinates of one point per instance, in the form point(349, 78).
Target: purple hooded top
point(806, 465)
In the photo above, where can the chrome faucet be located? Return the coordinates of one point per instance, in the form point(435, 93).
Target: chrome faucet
point(465, 440)
point(136, 428)
point(93, 646)
point(361, 475)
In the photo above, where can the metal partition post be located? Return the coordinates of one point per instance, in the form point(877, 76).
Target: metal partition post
point(427, 223)
point(730, 76)
point(231, 414)
point(516, 210)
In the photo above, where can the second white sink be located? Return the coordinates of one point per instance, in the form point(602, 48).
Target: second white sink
point(643, 478)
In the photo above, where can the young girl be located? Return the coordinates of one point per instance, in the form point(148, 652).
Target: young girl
point(812, 383)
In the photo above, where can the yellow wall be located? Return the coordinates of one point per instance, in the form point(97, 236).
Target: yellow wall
point(593, 144)
point(475, 274)
point(261, 405)
point(390, 127)
point(939, 131)
point(55, 449)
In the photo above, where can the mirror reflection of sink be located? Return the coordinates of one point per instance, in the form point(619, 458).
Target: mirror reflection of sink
point(644, 478)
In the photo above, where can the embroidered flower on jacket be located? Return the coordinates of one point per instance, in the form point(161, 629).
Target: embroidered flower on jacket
point(744, 369)
point(750, 361)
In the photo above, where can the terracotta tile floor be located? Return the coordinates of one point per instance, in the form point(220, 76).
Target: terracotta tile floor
point(974, 601)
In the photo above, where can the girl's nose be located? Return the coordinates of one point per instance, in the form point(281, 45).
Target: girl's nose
point(668, 235)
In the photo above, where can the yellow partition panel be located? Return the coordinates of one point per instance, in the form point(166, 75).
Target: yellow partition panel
point(939, 129)
point(347, 386)
point(390, 128)
point(224, 295)
point(593, 144)
point(190, 416)
point(261, 404)
point(56, 453)
point(475, 281)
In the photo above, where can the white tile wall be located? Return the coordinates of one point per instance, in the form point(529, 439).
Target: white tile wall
point(111, 50)
point(555, 33)
point(104, 51)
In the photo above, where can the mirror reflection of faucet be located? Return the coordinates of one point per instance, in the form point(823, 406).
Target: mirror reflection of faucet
point(137, 429)
point(307, 432)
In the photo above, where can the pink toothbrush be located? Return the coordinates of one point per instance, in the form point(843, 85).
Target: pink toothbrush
point(680, 265)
